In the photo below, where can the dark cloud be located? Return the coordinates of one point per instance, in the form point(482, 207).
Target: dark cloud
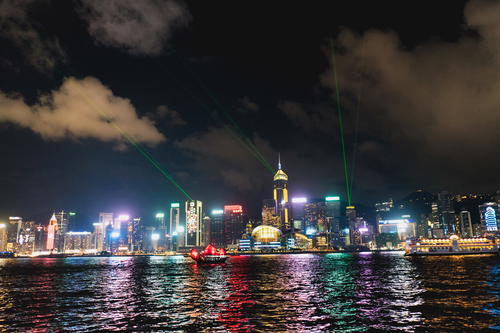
point(435, 104)
point(16, 26)
point(80, 109)
point(218, 154)
point(139, 27)
point(247, 105)
point(164, 114)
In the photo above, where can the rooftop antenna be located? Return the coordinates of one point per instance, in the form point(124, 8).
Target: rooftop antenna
point(279, 162)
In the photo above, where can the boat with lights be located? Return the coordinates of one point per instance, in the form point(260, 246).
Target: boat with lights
point(452, 246)
point(210, 255)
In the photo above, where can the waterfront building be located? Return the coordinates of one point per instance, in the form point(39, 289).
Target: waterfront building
point(404, 228)
point(466, 229)
point(194, 216)
point(161, 225)
point(490, 217)
point(332, 214)
point(266, 237)
point(135, 235)
point(269, 216)
point(235, 221)
point(350, 214)
point(176, 230)
point(27, 234)
point(3, 237)
point(280, 196)
point(40, 238)
point(79, 242)
point(217, 228)
point(418, 205)
point(446, 213)
point(98, 236)
point(103, 242)
point(206, 231)
point(298, 213)
point(63, 221)
point(51, 234)
point(13, 229)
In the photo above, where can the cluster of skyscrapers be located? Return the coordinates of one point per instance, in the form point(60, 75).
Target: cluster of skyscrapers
point(292, 224)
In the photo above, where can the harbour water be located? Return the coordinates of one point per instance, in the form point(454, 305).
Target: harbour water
point(339, 292)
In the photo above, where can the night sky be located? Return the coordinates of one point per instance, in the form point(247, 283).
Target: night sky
point(206, 87)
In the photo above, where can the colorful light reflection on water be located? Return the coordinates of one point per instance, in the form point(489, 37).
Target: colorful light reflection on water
point(336, 292)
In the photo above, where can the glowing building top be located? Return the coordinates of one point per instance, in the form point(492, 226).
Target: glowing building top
point(280, 174)
point(280, 196)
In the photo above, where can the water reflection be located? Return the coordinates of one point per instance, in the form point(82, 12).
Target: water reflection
point(336, 292)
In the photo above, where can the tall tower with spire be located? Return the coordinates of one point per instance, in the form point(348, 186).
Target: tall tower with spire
point(280, 195)
point(51, 233)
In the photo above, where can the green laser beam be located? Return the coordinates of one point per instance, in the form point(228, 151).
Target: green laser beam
point(231, 129)
point(355, 144)
point(135, 143)
point(228, 116)
point(341, 125)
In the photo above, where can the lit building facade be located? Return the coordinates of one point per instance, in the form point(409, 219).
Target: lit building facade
point(13, 229)
point(51, 234)
point(103, 242)
point(490, 217)
point(466, 229)
point(404, 228)
point(280, 196)
point(3, 237)
point(298, 206)
point(194, 216)
point(446, 213)
point(79, 242)
point(217, 228)
point(234, 224)
point(332, 214)
point(135, 234)
point(27, 234)
point(176, 231)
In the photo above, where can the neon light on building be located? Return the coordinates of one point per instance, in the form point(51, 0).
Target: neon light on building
point(299, 200)
point(332, 198)
point(491, 219)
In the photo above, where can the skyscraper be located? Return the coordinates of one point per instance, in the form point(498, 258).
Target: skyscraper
point(234, 223)
point(104, 238)
point(466, 224)
point(217, 228)
point(446, 212)
point(194, 216)
point(13, 230)
point(51, 233)
point(490, 217)
point(332, 212)
point(175, 228)
point(280, 196)
point(62, 228)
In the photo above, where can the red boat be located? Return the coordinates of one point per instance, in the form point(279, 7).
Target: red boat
point(211, 255)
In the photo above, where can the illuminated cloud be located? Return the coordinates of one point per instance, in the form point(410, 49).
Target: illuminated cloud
point(15, 26)
point(80, 109)
point(139, 27)
point(430, 99)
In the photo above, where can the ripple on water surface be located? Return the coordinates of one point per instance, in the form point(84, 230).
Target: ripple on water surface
point(302, 292)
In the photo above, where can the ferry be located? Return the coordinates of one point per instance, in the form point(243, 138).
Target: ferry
point(211, 255)
point(452, 246)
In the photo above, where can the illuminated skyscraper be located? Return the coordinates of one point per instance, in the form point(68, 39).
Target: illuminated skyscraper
point(51, 233)
point(62, 227)
point(13, 230)
point(27, 237)
point(446, 213)
point(466, 229)
point(104, 240)
point(194, 216)
point(235, 222)
point(280, 196)
point(175, 228)
point(490, 217)
point(217, 228)
point(332, 212)
point(3, 236)
point(354, 235)
point(135, 233)
point(298, 213)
